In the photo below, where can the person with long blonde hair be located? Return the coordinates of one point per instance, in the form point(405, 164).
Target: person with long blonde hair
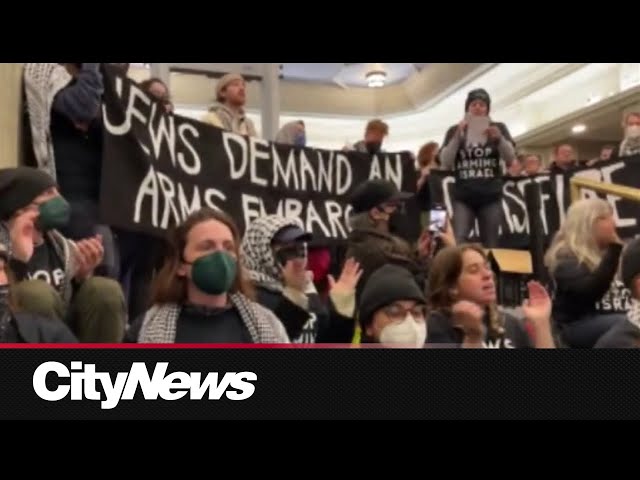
point(582, 261)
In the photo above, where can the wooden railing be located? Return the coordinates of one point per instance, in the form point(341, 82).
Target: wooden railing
point(579, 183)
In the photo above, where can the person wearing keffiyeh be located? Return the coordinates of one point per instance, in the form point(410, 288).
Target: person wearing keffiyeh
point(274, 251)
point(201, 294)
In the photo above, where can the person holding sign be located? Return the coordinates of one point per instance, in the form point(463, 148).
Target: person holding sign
point(201, 294)
point(55, 276)
point(475, 150)
point(463, 309)
point(228, 113)
point(583, 260)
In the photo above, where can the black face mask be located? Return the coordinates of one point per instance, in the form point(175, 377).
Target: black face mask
point(290, 252)
point(4, 294)
point(373, 147)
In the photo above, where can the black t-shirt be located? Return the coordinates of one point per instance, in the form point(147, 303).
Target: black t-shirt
point(478, 169)
point(45, 264)
point(440, 330)
point(204, 325)
point(616, 300)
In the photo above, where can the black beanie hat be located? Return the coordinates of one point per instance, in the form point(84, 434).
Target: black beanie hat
point(19, 187)
point(386, 285)
point(478, 94)
point(630, 265)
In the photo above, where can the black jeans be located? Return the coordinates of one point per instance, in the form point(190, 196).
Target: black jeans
point(489, 218)
point(585, 332)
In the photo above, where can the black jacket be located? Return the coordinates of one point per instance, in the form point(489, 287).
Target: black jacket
point(373, 249)
point(577, 289)
point(329, 326)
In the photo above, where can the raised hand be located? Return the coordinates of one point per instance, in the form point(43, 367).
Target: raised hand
point(349, 278)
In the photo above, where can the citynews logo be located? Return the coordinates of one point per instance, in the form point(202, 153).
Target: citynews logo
point(83, 380)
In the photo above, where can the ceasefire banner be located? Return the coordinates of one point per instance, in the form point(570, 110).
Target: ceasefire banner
point(555, 198)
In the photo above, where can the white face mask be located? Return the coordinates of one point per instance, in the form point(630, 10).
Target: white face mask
point(408, 332)
point(633, 131)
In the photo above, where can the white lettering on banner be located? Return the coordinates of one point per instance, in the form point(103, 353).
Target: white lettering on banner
point(197, 164)
point(331, 174)
point(289, 175)
point(257, 154)
point(84, 381)
point(392, 172)
point(562, 211)
point(311, 214)
point(345, 175)
point(543, 200)
point(163, 192)
point(513, 220)
point(132, 110)
point(163, 133)
point(613, 200)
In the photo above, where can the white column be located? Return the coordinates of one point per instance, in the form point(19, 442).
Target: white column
point(270, 101)
point(161, 71)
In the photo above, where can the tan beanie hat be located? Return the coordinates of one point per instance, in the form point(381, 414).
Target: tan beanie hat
point(226, 80)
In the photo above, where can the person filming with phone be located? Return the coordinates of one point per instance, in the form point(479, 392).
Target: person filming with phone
point(475, 150)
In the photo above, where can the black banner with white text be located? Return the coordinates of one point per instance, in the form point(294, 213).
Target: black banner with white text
point(555, 198)
point(158, 168)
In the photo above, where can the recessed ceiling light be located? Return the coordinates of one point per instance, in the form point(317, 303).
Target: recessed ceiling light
point(579, 128)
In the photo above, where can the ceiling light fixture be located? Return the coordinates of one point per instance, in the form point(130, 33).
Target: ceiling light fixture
point(376, 78)
point(579, 128)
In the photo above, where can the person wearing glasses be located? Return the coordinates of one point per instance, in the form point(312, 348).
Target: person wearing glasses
point(392, 309)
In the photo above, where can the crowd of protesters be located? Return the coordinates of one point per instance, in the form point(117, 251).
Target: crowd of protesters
point(67, 277)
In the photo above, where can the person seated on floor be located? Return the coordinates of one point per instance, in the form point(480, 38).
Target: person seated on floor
point(202, 294)
point(392, 309)
point(55, 275)
point(274, 251)
point(463, 310)
point(22, 327)
point(627, 334)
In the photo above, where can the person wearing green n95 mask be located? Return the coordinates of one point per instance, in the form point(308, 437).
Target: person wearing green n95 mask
point(214, 273)
point(53, 214)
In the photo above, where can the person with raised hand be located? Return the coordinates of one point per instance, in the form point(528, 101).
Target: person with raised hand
point(463, 310)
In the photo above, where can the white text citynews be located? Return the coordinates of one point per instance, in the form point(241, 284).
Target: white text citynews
point(83, 380)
